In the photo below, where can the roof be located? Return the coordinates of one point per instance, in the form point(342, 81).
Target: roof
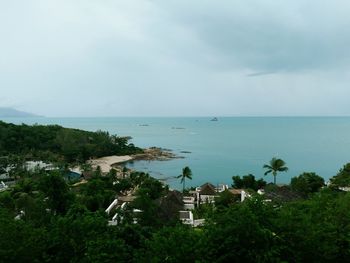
point(172, 199)
point(128, 198)
point(235, 191)
point(169, 205)
point(281, 193)
point(175, 196)
point(208, 184)
point(207, 189)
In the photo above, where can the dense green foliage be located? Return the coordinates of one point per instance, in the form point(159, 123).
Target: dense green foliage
point(312, 230)
point(307, 183)
point(342, 179)
point(53, 143)
point(248, 182)
point(60, 222)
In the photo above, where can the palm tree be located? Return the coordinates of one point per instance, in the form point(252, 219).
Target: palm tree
point(186, 173)
point(275, 165)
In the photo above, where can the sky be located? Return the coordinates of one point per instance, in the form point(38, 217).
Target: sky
point(64, 58)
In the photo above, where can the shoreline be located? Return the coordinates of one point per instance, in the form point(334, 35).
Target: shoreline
point(107, 163)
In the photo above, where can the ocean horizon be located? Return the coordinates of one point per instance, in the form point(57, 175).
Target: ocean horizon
point(217, 150)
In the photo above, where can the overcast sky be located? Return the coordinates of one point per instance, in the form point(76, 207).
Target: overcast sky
point(175, 58)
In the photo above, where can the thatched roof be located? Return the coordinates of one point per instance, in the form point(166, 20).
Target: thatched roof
point(235, 191)
point(281, 194)
point(128, 198)
point(207, 189)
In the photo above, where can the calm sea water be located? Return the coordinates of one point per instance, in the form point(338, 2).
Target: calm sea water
point(230, 146)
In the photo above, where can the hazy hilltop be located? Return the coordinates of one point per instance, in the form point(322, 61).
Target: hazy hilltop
point(10, 112)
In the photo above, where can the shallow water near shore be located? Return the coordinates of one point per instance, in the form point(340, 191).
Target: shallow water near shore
point(217, 150)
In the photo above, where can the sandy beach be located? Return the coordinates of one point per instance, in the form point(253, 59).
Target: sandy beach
point(106, 163)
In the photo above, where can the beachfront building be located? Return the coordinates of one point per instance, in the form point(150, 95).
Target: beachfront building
point(221, 187)
point(187, 218)
point(206, 193)
point(241, 194)
point(202, 194)
point(168, 206)
point(119, 202)
point(189, 202)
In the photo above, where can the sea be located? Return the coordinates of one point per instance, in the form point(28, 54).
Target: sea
point(217, 150)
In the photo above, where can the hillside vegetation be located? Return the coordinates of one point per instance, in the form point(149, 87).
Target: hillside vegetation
point(56, 143)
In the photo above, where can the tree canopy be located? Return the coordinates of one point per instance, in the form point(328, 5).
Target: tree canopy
point(58, 222)
point(55, 143)
point(247, 182)
point(307, 183)
point(342, 179)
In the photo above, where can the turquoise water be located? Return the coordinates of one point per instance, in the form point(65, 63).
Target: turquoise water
point(230, 146)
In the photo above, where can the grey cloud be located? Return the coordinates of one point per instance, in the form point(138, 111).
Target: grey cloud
point(261, 73)
point(107, 58)
point(270, 35)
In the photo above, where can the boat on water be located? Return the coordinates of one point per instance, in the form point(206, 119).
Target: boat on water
point(214, 119)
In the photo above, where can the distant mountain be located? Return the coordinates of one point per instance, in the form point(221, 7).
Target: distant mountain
point(10, 113)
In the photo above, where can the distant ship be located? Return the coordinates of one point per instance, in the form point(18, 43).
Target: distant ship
point(214, 119)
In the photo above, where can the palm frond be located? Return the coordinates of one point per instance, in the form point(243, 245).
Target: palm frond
point(267, 172)
point(266, 166)
point(283, 169)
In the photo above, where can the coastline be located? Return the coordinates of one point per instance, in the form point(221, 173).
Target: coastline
point(106, 163)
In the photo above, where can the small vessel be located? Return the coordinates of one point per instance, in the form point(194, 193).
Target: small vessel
point(214, 119)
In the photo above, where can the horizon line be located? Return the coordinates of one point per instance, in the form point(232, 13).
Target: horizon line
point(189, 116)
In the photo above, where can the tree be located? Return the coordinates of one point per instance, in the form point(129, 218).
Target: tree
point(148, 192)
point(315, 230)
point(225, 199)
point(241, 233)
point(172, 244)
point(56, 190)
point(247, 181)
point(307, 183)
point(342, 179)
point(148, 215)
point(186, 173)
point(71, 236)
point(275, 165)
point(21, 241)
